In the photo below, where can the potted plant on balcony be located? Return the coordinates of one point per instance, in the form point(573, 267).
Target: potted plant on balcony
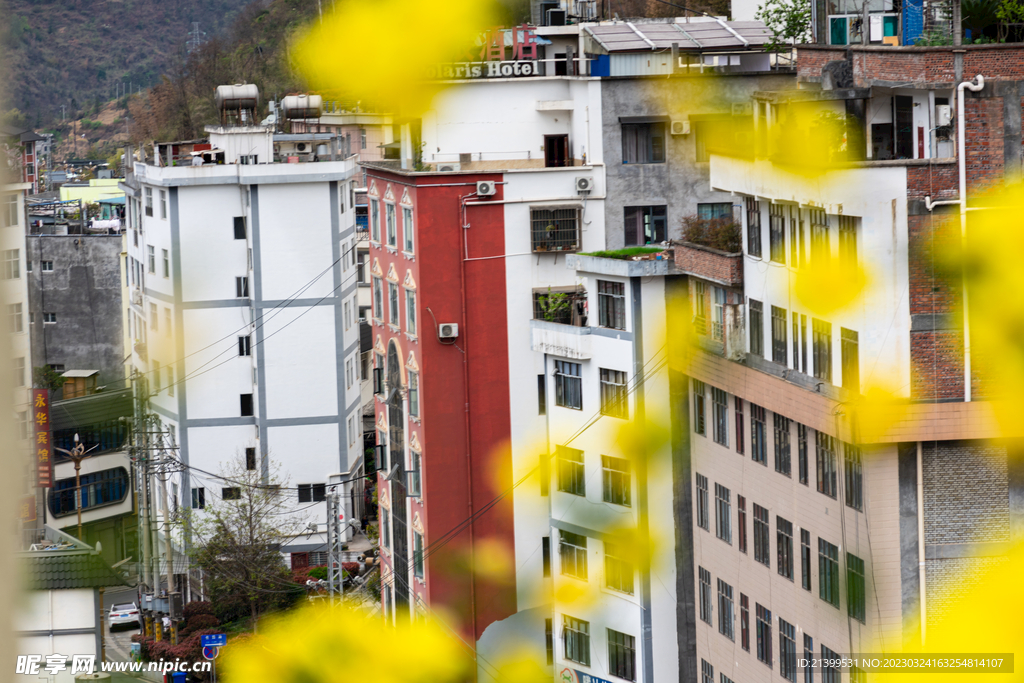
point(554, 305)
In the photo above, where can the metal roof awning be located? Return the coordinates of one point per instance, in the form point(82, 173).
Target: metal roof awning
point(80, 373)
point(696, 36)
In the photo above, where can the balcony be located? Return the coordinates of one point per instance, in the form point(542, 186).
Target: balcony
point(721, 267)
point(565, 341)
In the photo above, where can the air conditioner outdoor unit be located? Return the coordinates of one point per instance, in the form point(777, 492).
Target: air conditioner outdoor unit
point(681, 127)
point(742, 109)
point(137, 297)
point(449, 167)
point(943, 115)
point(584, 185)
point(301, 146)
point(448, 331)
point(486, 188)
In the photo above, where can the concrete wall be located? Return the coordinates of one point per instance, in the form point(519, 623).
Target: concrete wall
point(84, 291)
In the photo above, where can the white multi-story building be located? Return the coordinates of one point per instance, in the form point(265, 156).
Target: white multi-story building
point(243, 317)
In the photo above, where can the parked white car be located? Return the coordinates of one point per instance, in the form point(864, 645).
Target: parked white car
point(125, 614)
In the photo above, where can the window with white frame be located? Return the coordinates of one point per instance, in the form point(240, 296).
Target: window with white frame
point(12, 264)
point(391, 224)
point(15, 318)
point(378, 298)
point(414, 394)
point(410, 311)
point(568, 385)
point(613, 393)
point(393, 304)
point(9, 211)
point(407, 228)
point(374, 220)
point(572, 551)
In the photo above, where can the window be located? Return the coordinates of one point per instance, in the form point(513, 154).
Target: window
point(829, 673)
point(156, 376)
point(643, 143)
point(611, 304)
point(231, 493)
point(618, 571)
point(245, 345)
point(702, 502)
point(549, 640)
point(848, 241)
point(241, 287)
point(744, 622)
point(725, 615)
point(15, 318)
point(795, 236)
point(407, 228)
point(850, 359)
point(361, 261)
point(722, 678)
point(571, 477)
point(621, 655)
point(568, 385)
point(801, 450)
point(777, 233)
point(617, 481)
point(47, 266)
point(19, 372)
point(151, 259)
point(555, 229)
point(385, 528)
point(723, 513)
point(718, 314)
point(170, 380)
point(758, 429)
point(613, 393)
point(389, 212)
point(822, 340)
point(805, 559)
point(546, 556)
point(808, 655)
point(700, 306)
point(245, 401)
point(9, 212)
point(572, 553)
point(378, 299)
point(154, 319)
point(698, 407)
point(250, 459)
point(414, 394)
point(12, 264)
point(756, 328)
point(542, 395)
point(781, 444)
point(576, 640)
point(374, 220)
point(853, 476)
point(417, 554)
point(764, 635)
point(168, 321)
point(762, 542)
point(149, 201)
point(796, 344)
point(803, 343)
point(362, 138)
point(784, 546)
point(738, 403)
point(350, 372)
point(163, 204)
point(198, 498)
point(645, 225)
point(855, 587)
point(826, 460)
point(821, 248)
point(393, 304)
point(707, 672)
point(715, 211)
point(705, 595)
point(753, 227)
point(779, 335)
point(741, 523)
point(787, 650)
point(410, 311)
point(720, 415)
point(828, 572)
point(167, 263)
point(49, 318)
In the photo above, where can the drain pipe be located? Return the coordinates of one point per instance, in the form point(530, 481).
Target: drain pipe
point(961, 154)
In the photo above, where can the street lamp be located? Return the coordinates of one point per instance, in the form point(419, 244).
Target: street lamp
point(77, 455)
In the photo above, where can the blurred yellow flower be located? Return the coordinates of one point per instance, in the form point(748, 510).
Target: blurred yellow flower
point(826, 290)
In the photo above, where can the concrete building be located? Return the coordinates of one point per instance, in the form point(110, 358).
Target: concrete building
point(242, 316)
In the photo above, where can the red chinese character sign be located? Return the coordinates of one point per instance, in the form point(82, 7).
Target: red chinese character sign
point(44, 449)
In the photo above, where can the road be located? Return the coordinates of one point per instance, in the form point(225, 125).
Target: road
point(118, 643)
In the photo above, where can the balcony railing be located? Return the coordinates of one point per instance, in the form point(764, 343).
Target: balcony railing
point(562, 307)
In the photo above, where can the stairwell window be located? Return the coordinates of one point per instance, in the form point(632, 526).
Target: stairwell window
point(756, 328)
point(753, 210)
point(744, 622)
point(167, 263)
point(703, 516)
point(850, 350)
point(571, 476)
point(614, 399)
point(611, 304)
point(617, 480)
point(576, 640)
point(828, 572)
point(250, 459)
point(825, 451)
point(643, 143)
point(705, 595)
point(239, 227)
point(568, 385)
point(822, 346)
point(572, 554)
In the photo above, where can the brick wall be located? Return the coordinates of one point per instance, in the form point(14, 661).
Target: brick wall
point(709, 264)
point(966, 492)
point(810, 60)
point(984, 142)
point(913, 64)
point(950, 579)
point(937, 180)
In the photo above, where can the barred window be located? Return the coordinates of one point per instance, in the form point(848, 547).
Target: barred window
point(621, 655)
point(705, 595)
point(777, 232)
point(758, 433)
point(826, 460)
point(784, 546)
point(720, 416)
point(725, 615)
point(828, 572)
point(779, 331)
point(764, 634)
point(611, 304)
point(738, 403)
point(801, 453)
point(853, 476)
point(822, 341)
point(762, 538)
point(850, 350)
point(568, 385)
point(702, 502)
point(787, 650)
point(576, 640)
point(744, 622)
point(855, 587)
point(805, 559)
point(821, 247)
point(753, 227)
point(617, 483)
point(572, 552)
point(614, 401)
point(723, 513)
point(555, 229)
point(781, 444)
point(571, 478)
point(756, 328)
point(848, 241)
point(808, 655)
point(698, 407)
point(618, 571)
point(741, 523)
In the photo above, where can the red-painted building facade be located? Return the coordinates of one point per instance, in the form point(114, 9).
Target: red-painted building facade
point(442, 395)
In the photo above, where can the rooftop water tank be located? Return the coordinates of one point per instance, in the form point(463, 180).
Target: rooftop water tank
point(237, 96)
point(302, 106)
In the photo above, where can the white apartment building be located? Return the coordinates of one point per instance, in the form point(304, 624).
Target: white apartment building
point(243, 320)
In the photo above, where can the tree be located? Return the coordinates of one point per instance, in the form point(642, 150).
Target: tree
point(236, 542)
point(788, 20)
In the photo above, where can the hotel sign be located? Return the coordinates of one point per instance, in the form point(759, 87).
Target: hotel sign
point(496, 59)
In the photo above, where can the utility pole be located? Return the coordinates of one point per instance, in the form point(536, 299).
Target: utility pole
point(77, 455)
point(167, 532)
point(142, 461)
point(335, 572)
